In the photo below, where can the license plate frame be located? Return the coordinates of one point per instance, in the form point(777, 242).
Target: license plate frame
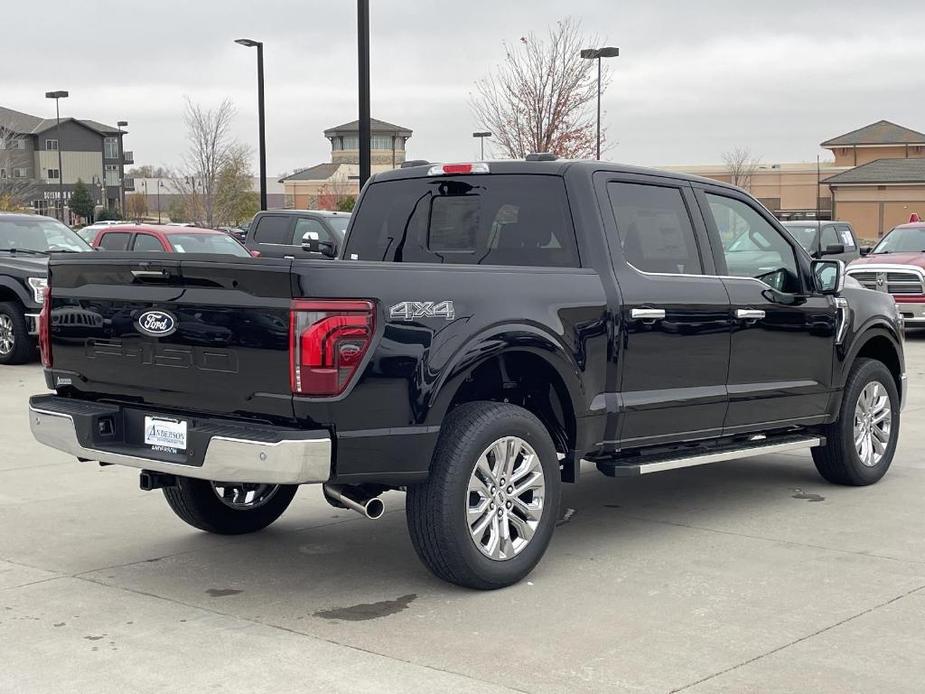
point(166, 434)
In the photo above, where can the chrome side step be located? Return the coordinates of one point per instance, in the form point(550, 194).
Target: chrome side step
point(631, 469)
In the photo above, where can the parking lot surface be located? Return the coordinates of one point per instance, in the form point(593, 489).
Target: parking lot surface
point(736, 577)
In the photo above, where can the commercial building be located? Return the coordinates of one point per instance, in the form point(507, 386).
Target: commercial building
point(323, 185)
point(875, 180)
point(90, 151)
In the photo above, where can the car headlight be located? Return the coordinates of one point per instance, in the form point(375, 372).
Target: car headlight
point(38, 284)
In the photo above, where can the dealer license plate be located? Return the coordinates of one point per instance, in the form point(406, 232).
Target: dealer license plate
point(161, 433)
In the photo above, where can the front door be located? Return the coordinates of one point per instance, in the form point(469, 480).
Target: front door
point(783, 337)
point(674, 315)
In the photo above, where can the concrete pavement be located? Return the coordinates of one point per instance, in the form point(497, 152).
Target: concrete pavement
point(738, 577)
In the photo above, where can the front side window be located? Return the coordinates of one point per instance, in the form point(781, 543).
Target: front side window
point(655, 228)
point(306, 225)
point(111, 147)
point(751, 246)
point(805, 234)
point(493, 219)
point(830, 237)
point(51, 145)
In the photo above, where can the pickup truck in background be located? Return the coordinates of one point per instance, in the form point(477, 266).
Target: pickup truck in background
point(487, 327)
point(896, 266)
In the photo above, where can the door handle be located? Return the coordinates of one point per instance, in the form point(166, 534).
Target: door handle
point(749, 313)
point(647, 313)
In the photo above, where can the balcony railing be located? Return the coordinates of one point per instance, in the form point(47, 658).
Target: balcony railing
point(128, 157)
point(129, 184)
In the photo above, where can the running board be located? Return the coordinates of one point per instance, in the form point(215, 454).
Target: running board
point(630, 469)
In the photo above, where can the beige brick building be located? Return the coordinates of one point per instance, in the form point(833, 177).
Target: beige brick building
point(323, 185)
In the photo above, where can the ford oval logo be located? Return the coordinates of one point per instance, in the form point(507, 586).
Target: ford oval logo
point(156, 323)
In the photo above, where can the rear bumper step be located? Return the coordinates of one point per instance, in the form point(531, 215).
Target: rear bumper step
point(240, 453)
point(649, 465)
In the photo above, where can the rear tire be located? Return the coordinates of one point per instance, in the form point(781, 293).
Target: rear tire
point(861, 443)
point(494, 468)
point(198, 503)
point(16, 344)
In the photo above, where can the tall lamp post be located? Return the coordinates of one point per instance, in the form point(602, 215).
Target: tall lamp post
point(121, 124)
point(159, 184)
point(261, 118)
point(57, 96)
point(597, 54)
point(482, 135)
point(363, 88)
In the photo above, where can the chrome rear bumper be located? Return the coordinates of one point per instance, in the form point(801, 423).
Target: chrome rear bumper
point(226, 459)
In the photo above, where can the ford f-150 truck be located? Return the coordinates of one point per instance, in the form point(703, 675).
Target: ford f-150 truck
point(486, 328)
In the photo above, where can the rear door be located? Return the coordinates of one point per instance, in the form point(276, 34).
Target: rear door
point(674, 313)
point(221, 345)
point(780, 370)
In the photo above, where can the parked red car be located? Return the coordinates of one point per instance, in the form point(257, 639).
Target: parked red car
point(172, 239)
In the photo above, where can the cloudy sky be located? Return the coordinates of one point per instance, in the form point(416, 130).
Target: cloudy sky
point(694, 78)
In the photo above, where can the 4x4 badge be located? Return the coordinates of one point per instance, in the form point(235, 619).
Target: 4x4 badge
point(412, 310)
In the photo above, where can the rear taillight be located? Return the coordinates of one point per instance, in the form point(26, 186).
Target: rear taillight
point(327, 342)
point(45, 329)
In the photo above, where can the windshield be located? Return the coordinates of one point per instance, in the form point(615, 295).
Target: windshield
point(902, 240)
point(338, 224)
point(40, 234)
point(805, 234)
point(207, 243)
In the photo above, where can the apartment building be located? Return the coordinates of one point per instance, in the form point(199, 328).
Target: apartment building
point(30, 171)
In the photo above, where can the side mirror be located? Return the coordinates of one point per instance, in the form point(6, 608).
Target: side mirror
point(829, 276)
point(865, 250)
point(832, 249)
point(312, 244)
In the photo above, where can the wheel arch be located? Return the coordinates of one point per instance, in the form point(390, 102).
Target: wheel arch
point(876, 342)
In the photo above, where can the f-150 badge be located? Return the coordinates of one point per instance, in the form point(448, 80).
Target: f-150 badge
point(412, 310)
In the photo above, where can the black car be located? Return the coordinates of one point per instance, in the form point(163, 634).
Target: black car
point(26, 241)
point(486, 328)
point(833, 239)
point(285, 233)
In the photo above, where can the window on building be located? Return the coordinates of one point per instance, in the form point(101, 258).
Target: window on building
point(380, 142)
point(21, 172)
point(112, 174)
point(351, 141)
point(53, 174)
point(12, 142)
point(2, 173)
point(51, 144)
point(111, 148)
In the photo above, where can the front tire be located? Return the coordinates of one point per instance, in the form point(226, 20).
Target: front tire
point(486, 514)
point(228, 508)
point(860, 445)
point(16, 345)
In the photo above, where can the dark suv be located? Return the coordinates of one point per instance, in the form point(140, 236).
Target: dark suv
point(26, 241)
point(282, 233)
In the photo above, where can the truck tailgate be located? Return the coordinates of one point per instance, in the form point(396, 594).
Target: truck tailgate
point(192, 333)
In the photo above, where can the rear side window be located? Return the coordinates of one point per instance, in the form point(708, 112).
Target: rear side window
point(845, 236)
point(495, 219)
point(655, 228)
point(273, 229)
point(115, 241)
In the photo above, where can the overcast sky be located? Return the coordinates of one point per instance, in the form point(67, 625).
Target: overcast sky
point(693, 80)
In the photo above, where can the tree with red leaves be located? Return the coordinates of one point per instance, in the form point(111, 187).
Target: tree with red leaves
point(541, 98)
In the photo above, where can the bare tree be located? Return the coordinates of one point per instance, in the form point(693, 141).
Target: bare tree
point(541, 98)
point(210, 146)
point(16, 190)
point(741, 165)
point(136, 205)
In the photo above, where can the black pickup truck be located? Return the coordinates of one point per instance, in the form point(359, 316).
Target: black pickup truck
point(486, 328)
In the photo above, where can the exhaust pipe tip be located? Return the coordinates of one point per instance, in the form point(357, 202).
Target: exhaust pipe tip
point(374, 509)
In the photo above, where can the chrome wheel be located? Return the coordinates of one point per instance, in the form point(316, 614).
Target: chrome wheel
point(244, 496)
point(7, 336)
point(873, 423)
point(505, 498)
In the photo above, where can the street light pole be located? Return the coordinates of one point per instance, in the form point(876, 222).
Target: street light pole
point(482, 135)
point(363, 88)
point(57, 95)
point(159, 184)
point(597, 54)
point(261, 118)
